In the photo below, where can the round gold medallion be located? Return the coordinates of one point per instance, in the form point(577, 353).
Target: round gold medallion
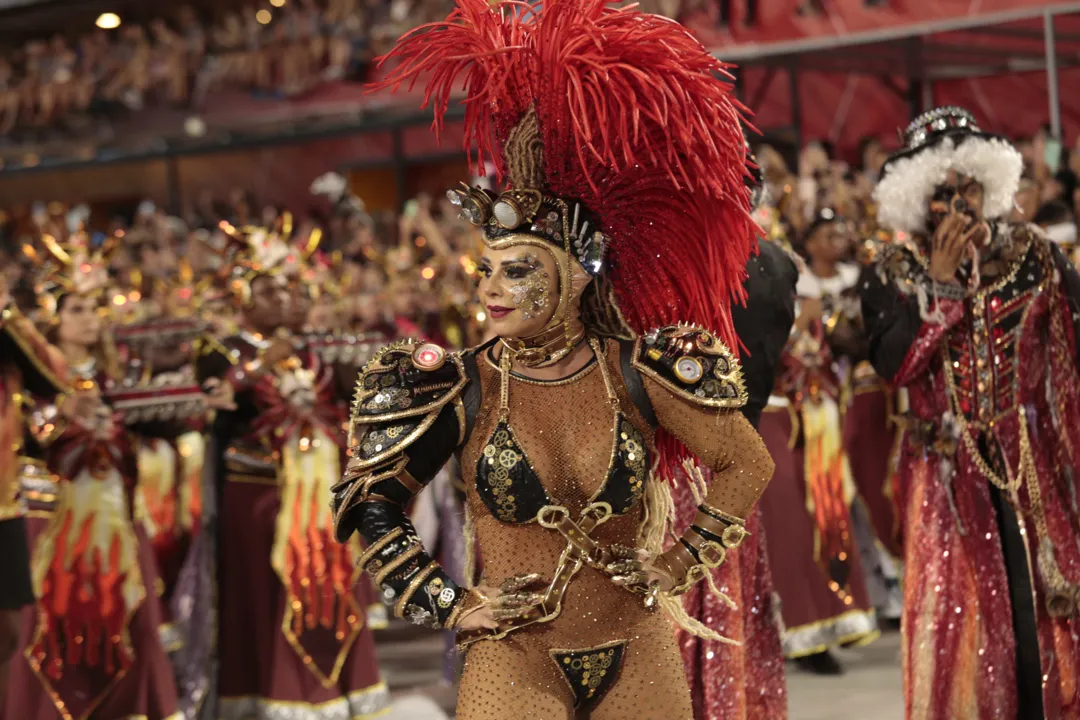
point(428, 357)
point(688, 369)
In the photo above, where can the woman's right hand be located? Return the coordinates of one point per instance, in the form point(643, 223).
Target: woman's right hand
point(481, 617)
point(516, 596)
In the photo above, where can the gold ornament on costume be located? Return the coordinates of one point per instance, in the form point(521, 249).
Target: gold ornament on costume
point(68, 266)
point(532, 292)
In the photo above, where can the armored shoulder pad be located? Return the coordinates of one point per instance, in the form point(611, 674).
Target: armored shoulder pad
point(692, 363)
point(400, 393)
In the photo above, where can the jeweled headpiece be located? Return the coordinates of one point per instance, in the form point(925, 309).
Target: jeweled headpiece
point(943, 139)
point(619, 141)
point(252, 251)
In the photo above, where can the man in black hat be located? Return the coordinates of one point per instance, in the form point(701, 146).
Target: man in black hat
point(974, 316)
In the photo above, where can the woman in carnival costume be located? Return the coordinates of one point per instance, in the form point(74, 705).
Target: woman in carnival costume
point(92, 645)
point(625, 216)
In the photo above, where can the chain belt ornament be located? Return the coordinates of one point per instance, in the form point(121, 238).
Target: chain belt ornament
point(580, 550)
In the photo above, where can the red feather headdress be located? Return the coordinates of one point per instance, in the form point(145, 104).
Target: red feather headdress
point(637, 123)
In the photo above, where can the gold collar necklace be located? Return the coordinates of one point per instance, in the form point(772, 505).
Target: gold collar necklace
point(547, 348)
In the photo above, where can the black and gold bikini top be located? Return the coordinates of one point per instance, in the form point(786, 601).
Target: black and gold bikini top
point(512, 490)
point(417, 404)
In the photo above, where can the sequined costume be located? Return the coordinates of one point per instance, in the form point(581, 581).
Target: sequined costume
point(548, 460)
point(29, 364)
point(96, 651)
point(729, 682)
point(987, 465)
point(623, 160)
point(807, 508)
point(292, 634)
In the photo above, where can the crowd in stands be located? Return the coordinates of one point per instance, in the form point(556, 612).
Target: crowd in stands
point(280, 49)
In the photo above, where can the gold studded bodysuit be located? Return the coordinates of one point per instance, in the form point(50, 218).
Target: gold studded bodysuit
point(578, 445)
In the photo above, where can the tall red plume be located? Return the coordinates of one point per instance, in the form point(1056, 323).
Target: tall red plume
point(636, 121)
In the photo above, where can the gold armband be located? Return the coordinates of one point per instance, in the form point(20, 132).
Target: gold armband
point(704, 547)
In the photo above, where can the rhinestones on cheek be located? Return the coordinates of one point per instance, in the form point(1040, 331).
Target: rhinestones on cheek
point(532, 293)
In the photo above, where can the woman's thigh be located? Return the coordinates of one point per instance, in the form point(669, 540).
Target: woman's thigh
point(651, 684)
point(512, 680)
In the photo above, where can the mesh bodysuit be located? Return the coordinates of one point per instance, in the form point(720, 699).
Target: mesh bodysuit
point(581, 444)
point(565, 428)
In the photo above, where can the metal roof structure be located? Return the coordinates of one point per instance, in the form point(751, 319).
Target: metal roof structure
point(910, 61)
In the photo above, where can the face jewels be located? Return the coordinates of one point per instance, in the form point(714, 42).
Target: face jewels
point(532, 292)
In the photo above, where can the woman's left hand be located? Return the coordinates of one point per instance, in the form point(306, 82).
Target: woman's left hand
point(660, 579)
point(633, 569)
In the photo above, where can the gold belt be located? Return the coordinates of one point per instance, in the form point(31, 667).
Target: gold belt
point(580, 550)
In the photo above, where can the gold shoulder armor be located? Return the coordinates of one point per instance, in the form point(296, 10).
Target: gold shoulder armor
point(692, 363)
point(400, 393)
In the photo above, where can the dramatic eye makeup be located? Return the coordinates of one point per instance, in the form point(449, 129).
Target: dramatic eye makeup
point(530, 285)
point(526, 281)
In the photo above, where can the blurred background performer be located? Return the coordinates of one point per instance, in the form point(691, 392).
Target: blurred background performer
point(976, 317)
point(95, 651)
point(745, 682)
point(28, 364)
point(807, 509)
point(828, 283)
point(293, 634)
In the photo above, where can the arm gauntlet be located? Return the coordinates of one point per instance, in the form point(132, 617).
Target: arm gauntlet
point(407, 424)
point(704, 547)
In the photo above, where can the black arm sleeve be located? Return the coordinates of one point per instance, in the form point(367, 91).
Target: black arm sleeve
point(892, 322)
point(764, 324)
point(372, 500)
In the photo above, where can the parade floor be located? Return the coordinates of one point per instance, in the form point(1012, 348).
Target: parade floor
point(869, 690)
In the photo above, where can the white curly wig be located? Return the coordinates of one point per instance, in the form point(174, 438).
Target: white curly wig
point(910, 177)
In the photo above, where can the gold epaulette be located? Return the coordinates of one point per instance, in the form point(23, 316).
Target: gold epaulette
point(401, 391)
point(692, 363)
